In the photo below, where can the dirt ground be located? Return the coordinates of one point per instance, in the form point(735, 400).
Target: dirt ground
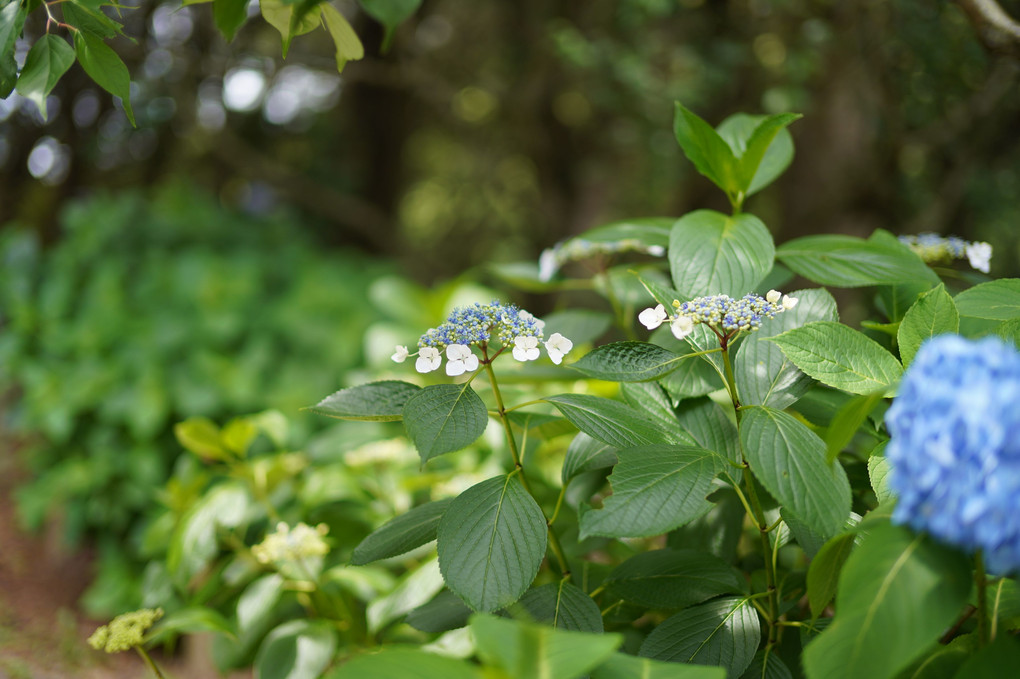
point(42, 633)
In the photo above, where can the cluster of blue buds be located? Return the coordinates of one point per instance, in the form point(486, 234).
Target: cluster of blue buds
point(934, 249)
point(723, 313)
point(954, 451)
point(551, 259)
point(477, 326)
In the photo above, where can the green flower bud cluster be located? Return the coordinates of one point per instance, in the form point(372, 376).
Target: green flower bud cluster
point(125, 631)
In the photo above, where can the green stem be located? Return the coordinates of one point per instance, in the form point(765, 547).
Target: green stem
point(149, 662)
point(981, 581)
point(554, 541)
point(731, 382)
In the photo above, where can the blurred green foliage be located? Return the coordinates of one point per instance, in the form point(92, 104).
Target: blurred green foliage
point(148, 311)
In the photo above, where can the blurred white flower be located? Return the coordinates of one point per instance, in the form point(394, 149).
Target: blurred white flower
point(773, 296)
point(400, 354)
point(681, 326)
point(789, 302)
point(980, 255)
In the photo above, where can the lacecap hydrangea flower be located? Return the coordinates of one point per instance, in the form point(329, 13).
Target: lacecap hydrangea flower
point(934, 249)
point(954, 451)
point(725, 315)
point(292, 544)
point(551, 259)
point(483, 325)
point(125, 631)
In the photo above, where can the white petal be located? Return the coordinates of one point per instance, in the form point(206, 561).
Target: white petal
point(681, 327)
point(400, 354)
point(789, 302)
point(520, 353)
point(471, 362)
point(652, 318)
point(773, 296)
point(554, 355)
point(425, 365)
point(454, 368)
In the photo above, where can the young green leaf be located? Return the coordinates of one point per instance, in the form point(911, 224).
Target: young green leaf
point(706, 149)
point(560, 605)
point(789, 460)
point(229, 16)
point(723, 632)
point(763, 373)
point(878, 474)
point(12, 21)
point(376, 401)
point(90, 20)
point(667, 578)
point(737, 129)
point(898, 593)
point(280, 14)
point(522, 649)
point(655, 489)
point(750, 162)
point(390, 13)
point(348, 45)
point(934, 313)
point(628, 362)
point(625, 666)
point(711, 253)
point(841, 357)
point(612, 422)
point(997, 300)
point(401, 534)
point(492, 540)
point(395, 663)
point(823, 573)
point(585, 454)
point(201, 436)
point(106, 68)
point(850, 262)
point(298, 649)
point(443, 418)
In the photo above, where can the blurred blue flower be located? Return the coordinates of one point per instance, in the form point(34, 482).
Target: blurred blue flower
point(954, 451)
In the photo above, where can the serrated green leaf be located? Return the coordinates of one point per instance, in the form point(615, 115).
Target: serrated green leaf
point(229, 16)
point(527, 650)
point(348, 45)
point(1009, 331)
point(298, 649)
point(628, 362)
point(613, 422)
point(841, 357)
point(723, 632)
point(668, 578)
point(47, 61)
point(703, 146)
point(444, 613)
point(624, 666)
point(652, 402)
point(585, 454)
point(711, 253)
point(750, 161)
point(399, 535)
point(898, 593)
point(444, 418)
point(376, 401)
point(934, 313)
point(655, 489)
point(560, 605)
point(823, 573)
point(106, 68)
point(492, 540)
point(404, 663)
point(850, 262)
point(737, 129)
point(710, 427)
point(763, 373)
point(718, 532)
point(878, 474)
point(789, 460)
point(996, 300)
point(767, 665)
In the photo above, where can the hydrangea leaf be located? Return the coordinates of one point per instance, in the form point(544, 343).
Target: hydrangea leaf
point(823, 572)
point(373, 402)
point(898, 593)
point(443, 613)
point(394, 663)
point(668, 578)
point(841, 357)
point(878, 474)
point(723, 632)
point(997, 300)
point(298, 649)
point(712, 253)
point(652, 401)
point(767, 665)
point(763, 373)
point(524, 649)
point(850, 262)
point(628, 362)
point(613, 422)
point(703, 146)
point(414, 590)
point(934, 313)
point(847, 421)
point(443, 418)
point(492, 540)
point(708, 424)
point(585, 454)
point(625, 666)
point(560, 605)
point(789, 460)
point(655, 489)
point(401, 534)
point(647, 230)
point(762, 145)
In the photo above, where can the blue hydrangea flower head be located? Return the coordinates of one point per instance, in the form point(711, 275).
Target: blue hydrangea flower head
point(723, 313)
point(934, 249)
point(954, 450)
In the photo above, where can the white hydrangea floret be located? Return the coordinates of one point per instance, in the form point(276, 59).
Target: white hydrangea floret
point(653, 318)
point(773, 296)
point(681, 326)
point(400, 354)
point(980, 255)
point(656, 250)
point(789, 302)
point(428, 360)
point(525, 348)
point(557, 346)
point(461, 360)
